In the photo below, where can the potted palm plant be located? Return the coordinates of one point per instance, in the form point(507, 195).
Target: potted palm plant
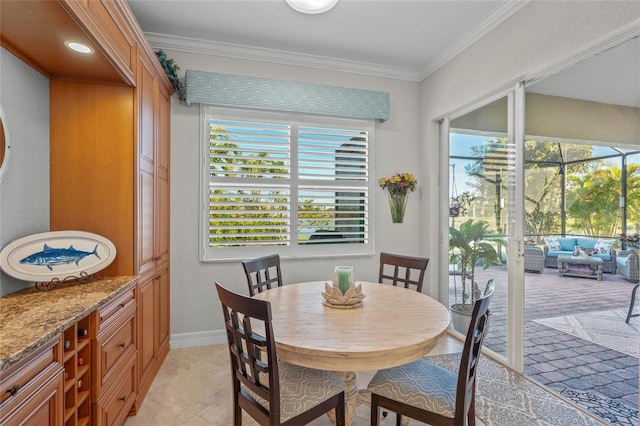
point(468, 248)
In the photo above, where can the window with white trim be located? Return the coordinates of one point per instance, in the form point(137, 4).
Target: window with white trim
point(286, 183)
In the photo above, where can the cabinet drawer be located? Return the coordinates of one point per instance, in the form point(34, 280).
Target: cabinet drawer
point(114, 406)
point(115, 346)
point(28, 374)
point(42, 407)
point(107, 314)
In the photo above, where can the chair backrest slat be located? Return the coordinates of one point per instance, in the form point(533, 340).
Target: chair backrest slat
point(262, 273)
point(465, 391)
point(253, 356)
point(412, 266)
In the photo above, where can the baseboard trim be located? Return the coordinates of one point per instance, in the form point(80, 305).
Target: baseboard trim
point(200, 338)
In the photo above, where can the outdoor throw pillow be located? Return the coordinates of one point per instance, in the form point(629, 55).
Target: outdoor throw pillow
point(604, 246)
point(552, 243)
point(589, 251)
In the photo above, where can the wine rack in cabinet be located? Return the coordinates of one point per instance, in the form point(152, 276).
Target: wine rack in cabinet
point(77, 358)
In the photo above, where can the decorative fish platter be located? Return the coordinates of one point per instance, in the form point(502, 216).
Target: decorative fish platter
point(56, 255)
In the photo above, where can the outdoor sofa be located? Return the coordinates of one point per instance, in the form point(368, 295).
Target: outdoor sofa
point(628, 269)
point(533, 259)
point(555, 246)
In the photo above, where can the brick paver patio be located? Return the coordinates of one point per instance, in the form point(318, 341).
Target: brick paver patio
point(559, 360)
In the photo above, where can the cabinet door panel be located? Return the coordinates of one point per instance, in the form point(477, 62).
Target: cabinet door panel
point(164, 316)
point(147, 157)
point(162, 174)
point(146, 111)
point(146, 328)
point(146, 222)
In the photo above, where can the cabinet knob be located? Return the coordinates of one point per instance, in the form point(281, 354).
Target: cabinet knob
point(14, 389)
point(123, 398)
point(122, 305)
point(157, 258)
point(122, 345)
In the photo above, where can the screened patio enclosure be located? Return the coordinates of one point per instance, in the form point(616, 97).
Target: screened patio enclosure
point(570, 188)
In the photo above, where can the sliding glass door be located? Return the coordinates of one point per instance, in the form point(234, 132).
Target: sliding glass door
point(485, 231)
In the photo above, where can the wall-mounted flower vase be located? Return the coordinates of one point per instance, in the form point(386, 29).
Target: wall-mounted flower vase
point(399, 186)
point(397, 205)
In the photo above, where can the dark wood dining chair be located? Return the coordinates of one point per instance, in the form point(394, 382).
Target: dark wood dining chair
point(630, 314)
point(262, 273)
point(272, 392)
point(407, 270)
point(431, 394)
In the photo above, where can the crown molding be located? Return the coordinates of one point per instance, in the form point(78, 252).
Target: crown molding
point(239, 51)
point(472, 36)
point(618, 37)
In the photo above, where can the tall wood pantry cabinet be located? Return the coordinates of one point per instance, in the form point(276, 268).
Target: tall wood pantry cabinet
point(109, 145)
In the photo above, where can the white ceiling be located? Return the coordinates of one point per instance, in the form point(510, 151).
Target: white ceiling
point(611, 77)
point(405, 39)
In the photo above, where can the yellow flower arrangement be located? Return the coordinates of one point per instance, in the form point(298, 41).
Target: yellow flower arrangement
point(400, 183)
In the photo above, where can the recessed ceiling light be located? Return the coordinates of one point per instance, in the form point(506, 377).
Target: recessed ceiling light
point(78, 47)
point(312, 6)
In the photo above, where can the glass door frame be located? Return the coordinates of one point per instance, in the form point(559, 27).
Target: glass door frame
point(514, 223)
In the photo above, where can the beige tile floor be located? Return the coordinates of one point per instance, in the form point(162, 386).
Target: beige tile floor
point(193, 388)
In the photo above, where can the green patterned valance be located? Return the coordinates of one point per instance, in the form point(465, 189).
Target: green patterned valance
point(239, 91)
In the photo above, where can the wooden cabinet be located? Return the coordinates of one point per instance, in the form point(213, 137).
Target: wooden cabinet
point(105, 22)
point(32, 391)
point(153, 236)
point(115, 340)
point(109, 149)
point(113, 406)
point(114, 392)
point(77, 359)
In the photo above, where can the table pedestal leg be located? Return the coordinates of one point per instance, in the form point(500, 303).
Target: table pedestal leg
point(350, 396)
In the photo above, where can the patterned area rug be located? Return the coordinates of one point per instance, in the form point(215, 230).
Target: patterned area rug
point(505, 398)
point(604, 328)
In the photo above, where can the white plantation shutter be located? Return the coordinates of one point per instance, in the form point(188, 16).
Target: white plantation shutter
point(284, 183)
point(333, 171)
point(249, 196)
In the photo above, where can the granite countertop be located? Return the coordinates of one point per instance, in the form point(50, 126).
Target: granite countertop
point(30, 318)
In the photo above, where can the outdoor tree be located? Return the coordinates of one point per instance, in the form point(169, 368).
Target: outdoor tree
point(237, 211)
point(543, 184)
point(543, 179)
point(252, 215)
point(633, 197)
point(592, 200)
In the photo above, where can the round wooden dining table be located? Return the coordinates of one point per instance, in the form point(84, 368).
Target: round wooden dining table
point(394, 326)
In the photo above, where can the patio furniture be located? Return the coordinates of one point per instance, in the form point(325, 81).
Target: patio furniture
point(585, 267)
point(628, 269)
point(566, 246)
point(533, 259)
point(630, 314)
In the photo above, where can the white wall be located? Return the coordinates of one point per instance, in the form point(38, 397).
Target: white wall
point(195, 309)
point(24, 190)
point(538, 36)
